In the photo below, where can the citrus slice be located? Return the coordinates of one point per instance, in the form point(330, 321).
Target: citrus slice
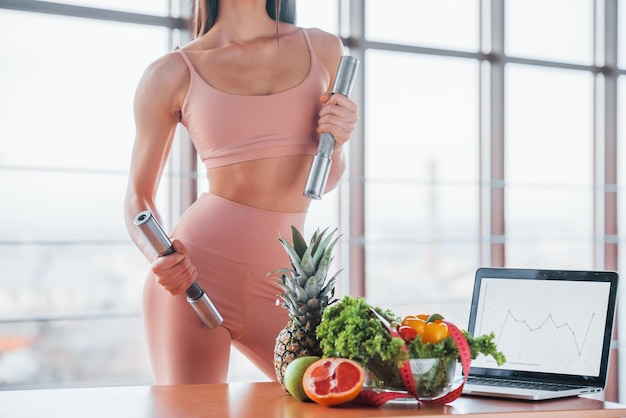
point(333, 381)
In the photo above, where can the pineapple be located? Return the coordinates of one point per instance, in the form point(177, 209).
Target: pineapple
point(306, 292)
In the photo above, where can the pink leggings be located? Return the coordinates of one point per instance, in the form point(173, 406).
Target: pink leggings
point(233, 247)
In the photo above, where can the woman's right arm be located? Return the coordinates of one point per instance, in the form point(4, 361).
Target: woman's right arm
point(157, 105)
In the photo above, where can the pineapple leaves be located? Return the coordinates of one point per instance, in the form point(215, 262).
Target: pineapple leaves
point(306, 289)
point(318, 254)
point(299, 244)
point(295, 288)
point(289, 304)
point(329, 288)
point(296, 261)
point(312, 286)
point(326, 260)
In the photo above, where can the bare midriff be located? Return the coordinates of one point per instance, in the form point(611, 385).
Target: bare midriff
point(275, 183)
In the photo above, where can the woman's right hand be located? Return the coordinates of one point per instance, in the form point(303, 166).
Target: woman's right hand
point(175, 272)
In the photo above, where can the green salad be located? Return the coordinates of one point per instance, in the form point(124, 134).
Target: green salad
point(351, 330)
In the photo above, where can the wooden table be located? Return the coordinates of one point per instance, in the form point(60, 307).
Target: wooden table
point(264, 399)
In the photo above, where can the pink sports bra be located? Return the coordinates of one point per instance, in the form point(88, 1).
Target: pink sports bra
point(230, 128)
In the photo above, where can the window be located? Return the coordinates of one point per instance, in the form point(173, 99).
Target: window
point(419, 242)
point(551, 30)
point(69, 273)
point(444, 24)
point(549, 161)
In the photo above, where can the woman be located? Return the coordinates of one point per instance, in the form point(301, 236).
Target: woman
point(253, 94)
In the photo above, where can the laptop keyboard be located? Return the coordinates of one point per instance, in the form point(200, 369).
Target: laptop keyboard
point(520, 384)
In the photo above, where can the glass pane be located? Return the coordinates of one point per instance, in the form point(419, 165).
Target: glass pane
point(155, 7)
point(321, 14)
point(549, 126)
point(70, 104)
point(418, 244)
point(549, 228)
point(550, 213)
point(66, 111)
point(446, 24)
point(420, 213)
point(553, 30)
point(549, 167)
point(74, 353)
point(63, 206)
point(558, 254)
point(421, 181)
point(407, 118)
point(407, 279)
point(61, 279)
point(324, 212)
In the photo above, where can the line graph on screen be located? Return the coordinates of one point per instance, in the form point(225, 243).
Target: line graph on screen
point(545, 325)
point(577, 340)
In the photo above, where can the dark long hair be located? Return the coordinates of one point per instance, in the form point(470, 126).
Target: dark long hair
point(205, 13)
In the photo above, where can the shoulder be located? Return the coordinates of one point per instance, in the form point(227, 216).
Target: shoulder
point(328, 47)
point(325, 40)
point(166, 70)
point(166, 79)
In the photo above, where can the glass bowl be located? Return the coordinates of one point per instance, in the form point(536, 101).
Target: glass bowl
point(433, 377)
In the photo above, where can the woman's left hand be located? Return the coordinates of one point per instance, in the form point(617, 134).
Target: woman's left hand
point(338, 116)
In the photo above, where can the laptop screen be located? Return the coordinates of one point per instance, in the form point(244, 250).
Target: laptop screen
point(554, 322)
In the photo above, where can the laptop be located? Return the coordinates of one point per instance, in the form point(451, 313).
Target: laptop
point(554, 327)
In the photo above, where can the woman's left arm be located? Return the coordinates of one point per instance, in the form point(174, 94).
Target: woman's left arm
point(339, 114)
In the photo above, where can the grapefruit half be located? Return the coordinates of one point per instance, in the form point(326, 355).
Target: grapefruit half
point(333, 381)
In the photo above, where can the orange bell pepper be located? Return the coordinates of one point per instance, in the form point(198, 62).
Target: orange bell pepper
point(430, 328)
